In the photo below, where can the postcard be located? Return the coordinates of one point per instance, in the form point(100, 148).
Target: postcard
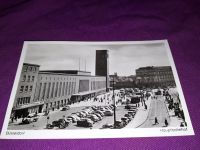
point(67, 90)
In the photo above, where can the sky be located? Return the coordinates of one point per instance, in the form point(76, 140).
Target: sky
point(123, 58)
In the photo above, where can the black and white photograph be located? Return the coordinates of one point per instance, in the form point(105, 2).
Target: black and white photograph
point(127, 89)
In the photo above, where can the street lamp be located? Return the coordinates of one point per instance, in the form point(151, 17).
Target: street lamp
point(113, 83)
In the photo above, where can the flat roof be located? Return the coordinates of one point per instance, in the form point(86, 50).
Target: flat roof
point(65, 71)
point(53, 73)
point(31, 64)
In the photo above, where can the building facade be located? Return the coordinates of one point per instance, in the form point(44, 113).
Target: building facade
point(155, 76)
point(57, 89)
point(39, 91)
point(24, 98)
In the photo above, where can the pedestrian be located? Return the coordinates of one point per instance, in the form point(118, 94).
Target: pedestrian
point(156, 121)
point(145, 106)
point(166, 122)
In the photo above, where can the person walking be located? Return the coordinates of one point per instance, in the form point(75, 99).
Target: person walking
point(166, 122)
point(156, 121)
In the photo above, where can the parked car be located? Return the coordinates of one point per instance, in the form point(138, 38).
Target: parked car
point(119, 124)
point(69, 119)
point(128, 116)
point(49, 126)
point(65, 108)
point(79, 114)
point(93, 118)
point(125, 120)
point(99, 112)
point(84, 113)
point(61, 123)
point(75, 118)
point(29, 119)
point(132, 113)
point(107, 126)
point(99, 116)
point(85, 123)
point(94, 108)
point(108, 113)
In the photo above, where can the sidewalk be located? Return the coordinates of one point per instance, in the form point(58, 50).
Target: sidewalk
point(140, 116)
point(174, 120)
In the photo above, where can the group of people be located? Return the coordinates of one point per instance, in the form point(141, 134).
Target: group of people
point(165, 122)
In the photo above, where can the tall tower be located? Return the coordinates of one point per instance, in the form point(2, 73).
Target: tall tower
point(102, 65)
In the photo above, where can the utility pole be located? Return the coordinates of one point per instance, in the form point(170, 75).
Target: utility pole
point(79, 64)
point(114, 102)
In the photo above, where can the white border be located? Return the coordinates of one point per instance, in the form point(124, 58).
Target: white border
point(95, 133)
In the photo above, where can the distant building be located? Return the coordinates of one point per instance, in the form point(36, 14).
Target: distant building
point(122, 81)
point(155, 76)
point(102, 65)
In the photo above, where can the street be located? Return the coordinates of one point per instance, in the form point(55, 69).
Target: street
point(157, 109)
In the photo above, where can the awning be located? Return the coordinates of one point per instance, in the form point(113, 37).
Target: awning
point(29, 105)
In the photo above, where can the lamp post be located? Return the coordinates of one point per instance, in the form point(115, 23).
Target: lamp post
point(114, 101)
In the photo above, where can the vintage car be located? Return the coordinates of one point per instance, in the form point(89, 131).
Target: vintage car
point(65, 108)
point(61, 123)
point(99, 112)
point(29, 119)
point(107, 126)
point(125, 120)
point(94, 118)
point(74, 118)
point(119, 124)
point(85, 123)
point(108, 113)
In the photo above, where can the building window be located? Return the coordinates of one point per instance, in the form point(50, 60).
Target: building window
point(33, 77)
point(63, 89)
point(28, 99)
point(60, 89)
point(30, 68)
point(29, 77)
point(24, 78)
point(56, 93)
point(25, 68)
point(18, 101)
point(66, 89)
point(44, 91)
point(52, 91)
point(33, 69)
point(21, 99)
point(48, 90)
point(26, 89)
point(21, 89)
point(31, 88)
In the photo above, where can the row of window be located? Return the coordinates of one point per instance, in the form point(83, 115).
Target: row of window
point(153, 73)
point(59, 78)
point(28, 78)
point(29, 68)
point(26, 89)
point(55, 89)
point(23, 100)
point(54, 104)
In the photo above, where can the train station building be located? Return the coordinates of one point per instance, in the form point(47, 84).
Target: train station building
point(45, 90)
